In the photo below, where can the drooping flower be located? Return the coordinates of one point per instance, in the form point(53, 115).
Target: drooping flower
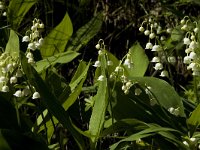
point(25, 39)
point(101, 78)
point(36, 95)
point(158, 66)
point(149, 45)
point(18, 93)
point(97, 64)
point(5, 88)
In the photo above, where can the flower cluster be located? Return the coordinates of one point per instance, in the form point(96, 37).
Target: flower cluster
point(156, 40)
point(11, 78)
point(34, 38)
point(191, 43)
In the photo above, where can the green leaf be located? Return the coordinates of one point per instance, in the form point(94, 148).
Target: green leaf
point(56, 41)
point(139, 61)
point(125, 125)
point(100, 106)
point(152, 130)
point(164, 93)
point(77, 84)
point(98, 113)
point(3, 144)
point(194, 119)
point(12, 46)
point(62, 58)
point(86, 33)
point(81, 73)
point(50, 101)
point(17, 9)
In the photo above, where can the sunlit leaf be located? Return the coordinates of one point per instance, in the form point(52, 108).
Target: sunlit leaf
point(139, 61)
point(57, 39)
point(12, 47)
point(62, 58)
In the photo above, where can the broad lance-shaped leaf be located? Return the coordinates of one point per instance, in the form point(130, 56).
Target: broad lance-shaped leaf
point(62, 58)
point(56, 41)
point(98, 113)
point(85, 33)
point(17, 9)
point(50, 101)
point(194, 120)
point(77, 85)
point(81, 73)
point(163, 92)
point(100, 106)
point(152, 130)
point(139, 61)
point(12, 46)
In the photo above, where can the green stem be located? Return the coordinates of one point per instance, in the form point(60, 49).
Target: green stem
point(17, 112)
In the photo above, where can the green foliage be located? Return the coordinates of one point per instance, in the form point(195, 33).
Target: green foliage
point(139, 60)
point(56, 41)
point(17, 9)
point(86, 33)
point(61, 58)
point(59, 103)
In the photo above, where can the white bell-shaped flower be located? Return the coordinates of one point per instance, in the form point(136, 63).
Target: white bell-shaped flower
point(186, 41)
point(186, 60)
point(98, 46)
point(155, 59)
point(29, 55)
point(41, 41)
point(32, 46)
point(149, 45)
point(152, 35)
point(193, 45)
point(184, 27)
point(193, 55)
point(127, 63)
point(36, 95)
point(13, 80)
point(164, 73)
point(156, 48)
point(141, 29)
point(5, 88)
point(101, 78)
point(26, 39)
point(97, 64)
point(188, 50)
point(9, 67)
point(146, 32)
point(18, 93)
point(196, 30)
point(158, 66)
point(186, 143)
point(41, 25)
